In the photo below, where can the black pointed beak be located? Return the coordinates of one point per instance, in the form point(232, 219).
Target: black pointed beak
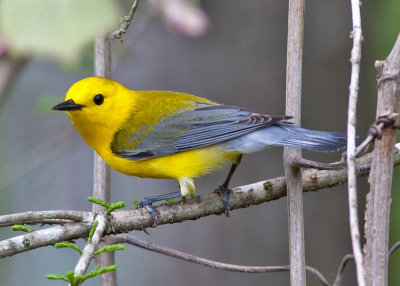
point(68, 106)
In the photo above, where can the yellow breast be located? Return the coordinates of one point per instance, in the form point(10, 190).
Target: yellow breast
point(190, 164)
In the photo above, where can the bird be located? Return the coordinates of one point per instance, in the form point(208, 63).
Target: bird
point(173, 135)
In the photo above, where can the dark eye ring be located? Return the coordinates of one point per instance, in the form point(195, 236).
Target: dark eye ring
point(98, 99)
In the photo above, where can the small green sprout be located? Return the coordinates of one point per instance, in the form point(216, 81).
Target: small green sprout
point(109, 248)
point(67, 244)
point(267, 186)
point(136, 202)
point(19, 227)
point(77, 280)
point(96, 222)
point(110, 206)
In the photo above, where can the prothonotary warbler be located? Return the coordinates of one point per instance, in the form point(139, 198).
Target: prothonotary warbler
point(173, 135)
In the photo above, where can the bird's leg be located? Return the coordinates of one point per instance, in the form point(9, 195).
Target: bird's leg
point(223, 189)
point(148, 202)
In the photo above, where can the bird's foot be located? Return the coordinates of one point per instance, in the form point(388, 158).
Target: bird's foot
point(148, 202)
point(223, 191)
point(149, 206)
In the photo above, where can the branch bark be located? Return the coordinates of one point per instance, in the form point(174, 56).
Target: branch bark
point(379, 198)
point(292, 154)
point(101, 187)
point(43, 237)
point(49, 217)
point(351, 142)
point(91, 246)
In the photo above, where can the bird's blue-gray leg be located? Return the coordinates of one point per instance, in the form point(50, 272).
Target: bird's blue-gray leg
point(148, 202)
point(223, 189)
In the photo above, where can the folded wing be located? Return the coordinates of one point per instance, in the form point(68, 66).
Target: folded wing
point(203, 126)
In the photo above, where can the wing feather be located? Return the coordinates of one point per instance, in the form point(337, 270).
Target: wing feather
point(204, 126)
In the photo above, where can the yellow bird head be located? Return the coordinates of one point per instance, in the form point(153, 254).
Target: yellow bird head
point(97, 107)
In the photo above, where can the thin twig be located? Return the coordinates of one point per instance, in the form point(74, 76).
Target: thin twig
point(342, 266)
point(394, 248)
point(375, 132)
point(91, 246)
point(293, 173)
point(129, 238)
point(351, 141)
point(304, 163)
point(125, 24)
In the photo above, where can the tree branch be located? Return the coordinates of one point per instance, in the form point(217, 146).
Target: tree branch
point(293, 154)
point(379, 198)
point(342, 266)
point(139, 219)
point(91, 246)
point(394, 248)
point(43, 237)
point(351, 141)
point(101, 178)
point(125, 24)
point(129, 238)
point(39, 217)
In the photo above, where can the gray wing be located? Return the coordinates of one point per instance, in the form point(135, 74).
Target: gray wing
point(206, 125)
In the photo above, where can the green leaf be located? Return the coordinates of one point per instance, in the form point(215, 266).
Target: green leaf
point(109, 248)
point(57, 277)
point(69, 277)
point(56, 29)
point(19, 227)
point(171, 200)
point(115, 206)
point(96, 222)
point(136, 202)
point(110, 207)
point(67, 244)
point(98, 272)
point(98, 201)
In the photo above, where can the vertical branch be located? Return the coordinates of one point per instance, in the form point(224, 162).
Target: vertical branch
point(102, 67)
point(379, 198)
point(351, 141)
point(292, 173)
point(101, 187)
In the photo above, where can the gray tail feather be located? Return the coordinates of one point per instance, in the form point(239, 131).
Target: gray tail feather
point(283, 134)
point(312, 139)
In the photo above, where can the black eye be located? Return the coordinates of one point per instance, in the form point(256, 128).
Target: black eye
point(98, 99)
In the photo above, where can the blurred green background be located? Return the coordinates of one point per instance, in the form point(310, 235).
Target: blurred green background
point(234, 54)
